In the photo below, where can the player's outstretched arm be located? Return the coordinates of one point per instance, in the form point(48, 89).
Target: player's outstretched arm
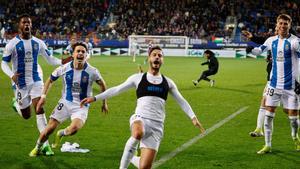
point(185, 106)
point(113, 91)
point(48, 56)
point(102, 85)
point(42, 100)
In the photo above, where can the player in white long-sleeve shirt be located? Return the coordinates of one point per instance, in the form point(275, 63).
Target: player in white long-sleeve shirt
point(23, 51)
point(147, 123)
point(285, 50)
point(78, 77)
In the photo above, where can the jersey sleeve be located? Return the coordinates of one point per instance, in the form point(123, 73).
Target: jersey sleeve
point(296, 46)
point(8, 52)
point(262, 48)
point(185, 106)
point(47, 55)
point(97, 76)
point(129, 83)
point(57, 73)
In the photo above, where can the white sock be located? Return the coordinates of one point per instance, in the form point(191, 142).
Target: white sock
point(41, 122)
point(260, 118)
point(128, 152)
point(269, 127)
point(294, 122)
point(136, 161)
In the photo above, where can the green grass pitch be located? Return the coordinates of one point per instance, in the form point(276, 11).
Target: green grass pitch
point(239, 83)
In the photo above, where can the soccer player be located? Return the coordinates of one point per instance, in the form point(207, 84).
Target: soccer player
point(78, 77)
point(69, 50)
point(258, 132)
point(150, 45)
point(213, 66)
point(147, 123)
point(90, 47)
point(135, 49)
point(285, 50)
point(23, 50)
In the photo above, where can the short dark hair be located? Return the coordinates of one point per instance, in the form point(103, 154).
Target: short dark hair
point(284, 17)
point(154, 48)
point(80, 44)
point(209, 52)
point(24, 15)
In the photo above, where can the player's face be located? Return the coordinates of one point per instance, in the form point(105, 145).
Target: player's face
point(283, 26)
point(79, 55)
point(156, 59)
point(25, 25)
point(206, 55)
point(73, 41)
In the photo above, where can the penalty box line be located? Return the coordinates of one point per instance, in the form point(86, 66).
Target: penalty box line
point(192, 141)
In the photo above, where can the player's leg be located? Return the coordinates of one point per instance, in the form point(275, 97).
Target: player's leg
point(150, 143)
point(268, 124)
point(134, 55)
point(273, 99)
point(78, 117)
point(202, 77)
point(15, 104)
point(292, 107)
point(43, 137)
point(24, 101)
point(72, 129)
point(258, 132)
point(294, 123)
point(41, 120)
point(137, 132)
point(147, 158)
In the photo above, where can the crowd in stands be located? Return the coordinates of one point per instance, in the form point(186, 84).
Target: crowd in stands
point(55, 18)
point(200, 19)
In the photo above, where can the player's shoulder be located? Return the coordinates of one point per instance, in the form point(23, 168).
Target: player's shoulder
point(169, 80)
point(65, 67)
point(91, 68)
point(272, 38)
point(136, 76)
point(294, 38)
point(13, 41)
point(37, 39)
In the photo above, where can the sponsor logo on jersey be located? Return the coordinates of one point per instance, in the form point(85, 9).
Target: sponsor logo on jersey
point(76, 87)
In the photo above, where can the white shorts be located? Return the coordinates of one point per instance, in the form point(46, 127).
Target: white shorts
point(288, 98)
point(153, 132)
point(26, 94)
point(66, 109)
point(266, 89)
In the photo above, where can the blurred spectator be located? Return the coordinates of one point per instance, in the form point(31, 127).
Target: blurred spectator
point(199, 19)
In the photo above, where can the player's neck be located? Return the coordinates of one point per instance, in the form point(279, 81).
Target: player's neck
point(154, 72)
point(283, 36)
point(25, 36)
point(78, 66)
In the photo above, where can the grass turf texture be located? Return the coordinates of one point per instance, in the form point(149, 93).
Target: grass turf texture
point(239, 83)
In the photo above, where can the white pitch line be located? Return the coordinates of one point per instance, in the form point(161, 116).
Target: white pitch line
point(184, 146)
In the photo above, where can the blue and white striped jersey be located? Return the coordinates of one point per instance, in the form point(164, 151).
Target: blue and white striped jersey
point(24, 56)
point(285, 56)
point(77, 84)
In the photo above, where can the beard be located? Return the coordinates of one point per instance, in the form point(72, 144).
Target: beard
point(155, 65)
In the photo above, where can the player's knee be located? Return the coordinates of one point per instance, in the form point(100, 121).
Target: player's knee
point(138, 134)
point(26, 113)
